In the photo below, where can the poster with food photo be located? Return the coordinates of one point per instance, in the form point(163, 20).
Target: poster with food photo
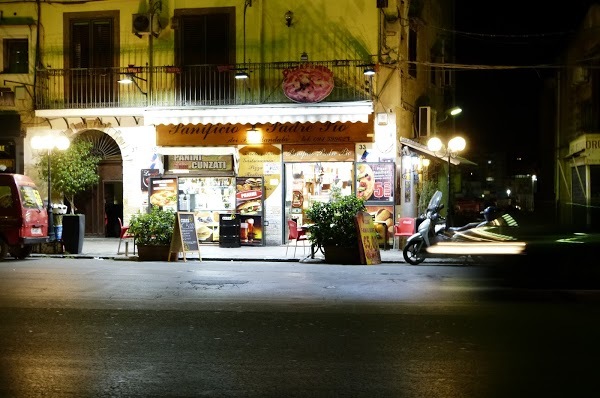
point(162, 192)
point(249, 195)
point(375, 181)
point(249, 205)
point(383, 218)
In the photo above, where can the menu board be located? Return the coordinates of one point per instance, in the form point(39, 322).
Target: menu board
point(375, 181)
point(184, 238)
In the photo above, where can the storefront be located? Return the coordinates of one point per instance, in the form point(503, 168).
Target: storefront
point(583, 172)
point(277, 170)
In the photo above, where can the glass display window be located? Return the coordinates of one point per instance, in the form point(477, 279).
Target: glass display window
point(314, 181)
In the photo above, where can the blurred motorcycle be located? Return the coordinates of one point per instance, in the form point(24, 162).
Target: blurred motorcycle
point(482, 238)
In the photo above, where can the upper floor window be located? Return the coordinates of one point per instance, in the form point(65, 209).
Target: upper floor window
point(412, 52)
point(16, 55)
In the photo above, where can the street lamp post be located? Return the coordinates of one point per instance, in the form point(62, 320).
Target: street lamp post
point(455, 145)
point(49, 143)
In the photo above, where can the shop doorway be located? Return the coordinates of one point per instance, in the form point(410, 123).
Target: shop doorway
point(107, 195)
point(313, 181)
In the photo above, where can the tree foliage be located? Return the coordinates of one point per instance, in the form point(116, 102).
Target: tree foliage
point(73, 170)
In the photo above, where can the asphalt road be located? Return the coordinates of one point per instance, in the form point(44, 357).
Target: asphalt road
point(225, 329)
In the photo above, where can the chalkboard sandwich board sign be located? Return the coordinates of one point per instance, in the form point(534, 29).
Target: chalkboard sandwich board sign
point(185, 238)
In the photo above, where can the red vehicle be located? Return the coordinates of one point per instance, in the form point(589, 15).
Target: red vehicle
point(23, 218)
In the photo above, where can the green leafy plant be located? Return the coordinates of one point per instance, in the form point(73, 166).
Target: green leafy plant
point(153, 228)
point(428, 188)
point(333, 222)
point(73, 170)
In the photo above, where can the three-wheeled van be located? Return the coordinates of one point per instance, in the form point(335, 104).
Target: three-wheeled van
point(23, 218)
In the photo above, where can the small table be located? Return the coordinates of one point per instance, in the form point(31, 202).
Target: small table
point(313, 248)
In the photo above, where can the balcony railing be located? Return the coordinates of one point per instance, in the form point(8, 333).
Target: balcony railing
point(199, 85)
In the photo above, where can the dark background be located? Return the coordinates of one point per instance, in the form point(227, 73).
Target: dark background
point(501, 106)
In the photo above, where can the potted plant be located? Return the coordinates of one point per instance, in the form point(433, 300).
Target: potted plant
point(152, 233)
point(333, 227)
point(73, 170)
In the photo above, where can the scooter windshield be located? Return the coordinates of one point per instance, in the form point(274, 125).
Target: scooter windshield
point(435, 201)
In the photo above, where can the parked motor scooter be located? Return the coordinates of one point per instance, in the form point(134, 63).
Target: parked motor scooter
point(432, 236)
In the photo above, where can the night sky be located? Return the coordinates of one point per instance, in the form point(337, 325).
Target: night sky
point(500, 107)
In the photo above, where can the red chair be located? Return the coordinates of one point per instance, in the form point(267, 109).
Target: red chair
point(296, 234)
point(124, 235)
point(403, 229)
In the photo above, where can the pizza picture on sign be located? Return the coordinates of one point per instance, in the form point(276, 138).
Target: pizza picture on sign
point(365, 182)
point(307, 83)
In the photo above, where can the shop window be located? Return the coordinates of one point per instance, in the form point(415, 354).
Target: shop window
point(16, 55)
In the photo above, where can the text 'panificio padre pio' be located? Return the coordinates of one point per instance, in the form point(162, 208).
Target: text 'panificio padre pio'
point(270, 133)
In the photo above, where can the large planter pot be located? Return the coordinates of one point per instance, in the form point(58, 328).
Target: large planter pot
point(342, 255)
point(153, 252)
point(73, 232)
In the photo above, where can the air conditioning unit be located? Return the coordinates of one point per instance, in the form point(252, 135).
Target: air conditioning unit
point(424, 121)
point(140, 24)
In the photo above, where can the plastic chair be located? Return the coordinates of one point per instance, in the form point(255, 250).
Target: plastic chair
point(403, 229)
point(124, 235)
point(296, 234)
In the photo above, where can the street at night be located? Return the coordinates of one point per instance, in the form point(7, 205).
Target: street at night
point(83, 327)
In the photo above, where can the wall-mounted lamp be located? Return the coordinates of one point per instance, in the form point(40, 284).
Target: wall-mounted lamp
point(369, 71)
point(289, 16)
point(253, 136)
point(450, 112)
point(304, 57)
point(241, 75)
point(131, 78)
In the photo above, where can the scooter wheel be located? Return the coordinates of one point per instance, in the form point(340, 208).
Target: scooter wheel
point(413, 254)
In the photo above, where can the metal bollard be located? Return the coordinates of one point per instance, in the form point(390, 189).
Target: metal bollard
point(126, 248)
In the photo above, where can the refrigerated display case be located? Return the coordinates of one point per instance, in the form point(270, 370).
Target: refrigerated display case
point(207, 198)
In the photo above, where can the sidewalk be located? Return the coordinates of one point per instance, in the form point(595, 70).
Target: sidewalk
point(106, 248)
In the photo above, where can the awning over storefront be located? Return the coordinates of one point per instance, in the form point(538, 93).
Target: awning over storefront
point(254, 114)
point(423, 149)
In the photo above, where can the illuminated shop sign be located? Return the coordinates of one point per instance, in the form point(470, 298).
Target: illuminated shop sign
point(268, 133)
point(200, 162)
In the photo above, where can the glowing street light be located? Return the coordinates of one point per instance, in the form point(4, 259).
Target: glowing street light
point(49, 143)
point(451, 150)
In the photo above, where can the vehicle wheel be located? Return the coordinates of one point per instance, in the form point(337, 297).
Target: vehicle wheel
point(3, 250)
point(20, 252)
point(413, 254)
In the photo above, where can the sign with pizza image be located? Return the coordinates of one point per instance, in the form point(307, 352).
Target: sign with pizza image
point(307, 83)
point(375, 181)
point(162, 192)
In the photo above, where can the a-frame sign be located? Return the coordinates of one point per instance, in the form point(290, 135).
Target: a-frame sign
point(185, 238)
